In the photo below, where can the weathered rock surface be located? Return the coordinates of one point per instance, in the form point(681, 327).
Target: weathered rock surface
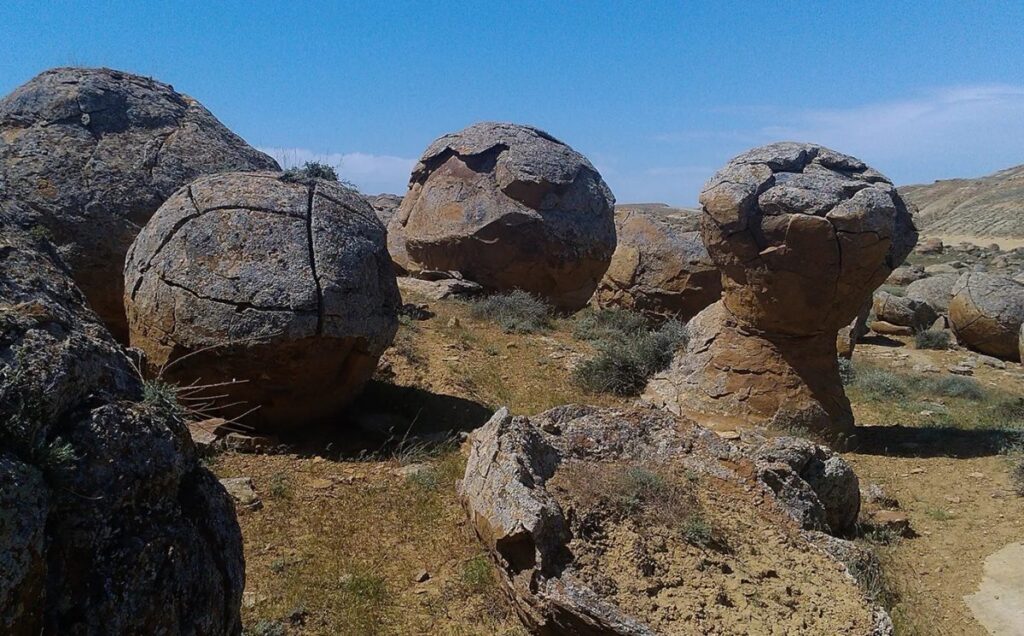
point(934, 290)
point(517, 492)
point(109, 524)
point(92, 153)
point(903, 311)
point(848, 336)
point(905, 274)
point(285, 285)
point(659, 268)
point(986, 313)
point(802, 235)
point(510, 207)
point(386, 206)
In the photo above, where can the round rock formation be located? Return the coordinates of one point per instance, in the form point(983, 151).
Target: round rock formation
point(92, 153)
point(934, 290)
point(109, 523)
point(284, 285)
point(510, 207)
point(802, 235)
point(986, 313)
point(660, 268)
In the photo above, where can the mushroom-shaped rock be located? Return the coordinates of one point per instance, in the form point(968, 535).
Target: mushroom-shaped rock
point(935, 290)
point(285, 285)
point(986, 313)
point(903, 311)
point(510, 207)
point(92, 153)
point(109, 523)
point(659, 268)
point(577, 505)
point(802, 235)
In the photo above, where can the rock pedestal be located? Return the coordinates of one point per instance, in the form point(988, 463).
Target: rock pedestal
point(802, 235)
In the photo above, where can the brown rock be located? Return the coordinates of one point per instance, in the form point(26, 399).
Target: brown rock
point(802, 235)
point(850, 335)
point(986, 313)
point(510, 207)
point(889, 329)
point(903, 311)
point(659, 268)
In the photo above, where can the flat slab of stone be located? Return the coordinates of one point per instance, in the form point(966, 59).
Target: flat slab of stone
point(999, 602)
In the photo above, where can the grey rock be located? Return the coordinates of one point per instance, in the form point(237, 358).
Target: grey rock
point(241, 489)
point(92, 153)
point(385, 206)
point(439, 289)
point(941, 268)
point(137, 536)
point(527, 532)
point(659, 268)
point(510, 207)
point(831, 499)
point(986, 313)
point(285, 285)
point(905, 274)
point(903, 311)
point(934, 290)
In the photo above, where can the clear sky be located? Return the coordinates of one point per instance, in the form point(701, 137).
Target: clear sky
point(657, 94)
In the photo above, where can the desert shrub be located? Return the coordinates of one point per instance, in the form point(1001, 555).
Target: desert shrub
point(604, 323)
point(515, 312)
point(311, 170)
point(696, 530)
point(627, 358)
point(931, 339)
point(880, 384)
point(954, 386)
point(477, 575)
point(280, 486)
point(846, 372)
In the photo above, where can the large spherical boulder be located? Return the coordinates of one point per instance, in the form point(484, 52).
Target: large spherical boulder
point(659, 268)
point(286, 285)
point(510, 207)
point(802, 235)
point(934, 290)
point(92, 153)
point(986, 313)
point(109, 522)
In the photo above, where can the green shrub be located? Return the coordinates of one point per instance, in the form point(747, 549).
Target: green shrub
point(696, 530)
point(880, 384)
point(1017, 476)
point(311, 170)
point(846, 372)
point(604, 323)
point(625, 361)
point(954, 386)
point(477, 575)
point(931, 339)
point(516, 311)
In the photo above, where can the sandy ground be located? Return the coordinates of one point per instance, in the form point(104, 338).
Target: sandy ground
point(1004, 243)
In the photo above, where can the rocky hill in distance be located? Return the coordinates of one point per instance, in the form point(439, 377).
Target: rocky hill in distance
point(990, 206)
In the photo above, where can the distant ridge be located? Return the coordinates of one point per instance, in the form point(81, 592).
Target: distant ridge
point(987, 206)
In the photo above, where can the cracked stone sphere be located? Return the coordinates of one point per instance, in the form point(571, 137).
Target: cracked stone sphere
point(284, 285)
point(802, 235)
point(510, 207)
point(91, 153)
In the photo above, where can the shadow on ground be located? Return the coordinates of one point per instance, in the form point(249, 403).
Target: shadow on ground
point(906, 441)
point(388, 419)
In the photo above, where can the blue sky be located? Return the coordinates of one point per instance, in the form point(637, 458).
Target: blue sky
point(657, 94)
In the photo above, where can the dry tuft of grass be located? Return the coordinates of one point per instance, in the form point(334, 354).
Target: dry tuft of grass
point(516, 311)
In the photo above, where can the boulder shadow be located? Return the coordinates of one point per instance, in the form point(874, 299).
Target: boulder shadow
point(937, 441)
point(388, 420)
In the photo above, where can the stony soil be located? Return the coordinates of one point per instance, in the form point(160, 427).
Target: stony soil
point(343, 533)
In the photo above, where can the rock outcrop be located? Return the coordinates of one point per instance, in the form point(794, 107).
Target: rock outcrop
point(659, 268)
point(986, 313)
point(585, 510)
point(109, 524)
point(90, 154)
point(935, 290)
point(510, 207)
point(802, 235)
point(285, 285)
point(386, 206)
